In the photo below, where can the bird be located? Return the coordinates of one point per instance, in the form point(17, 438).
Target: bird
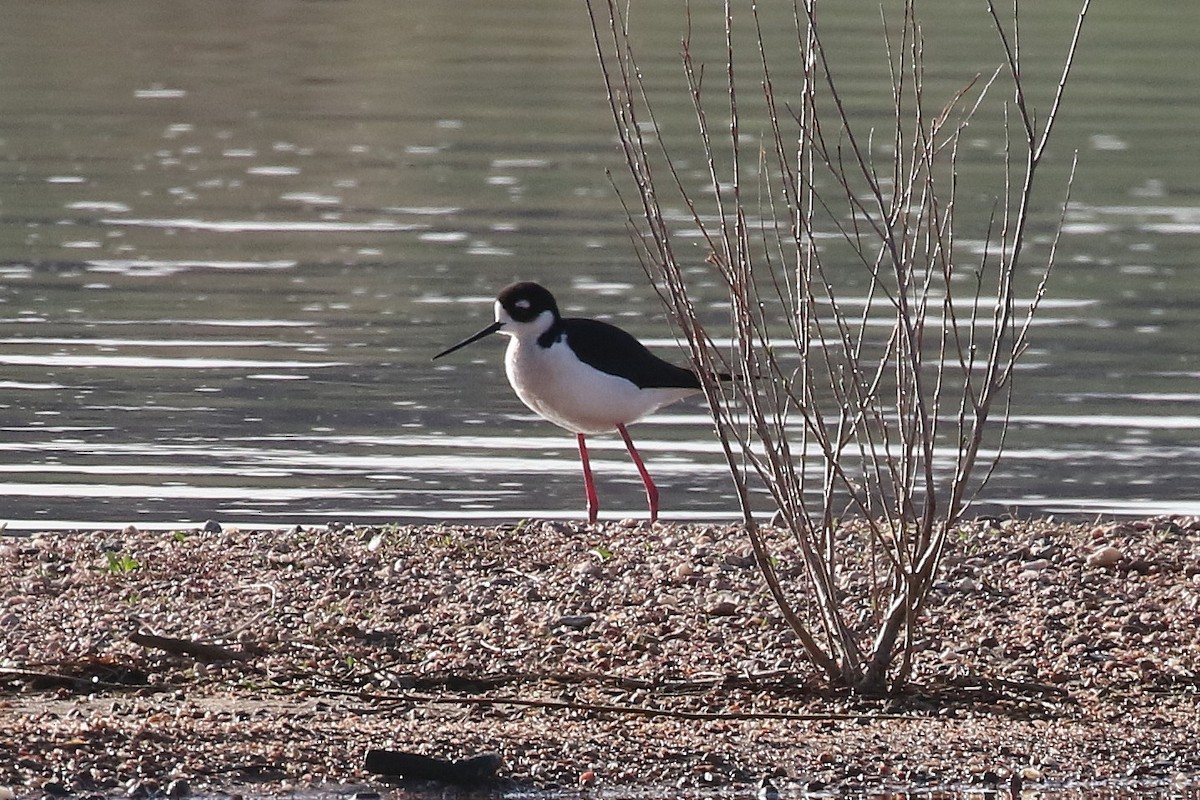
point(585, 375)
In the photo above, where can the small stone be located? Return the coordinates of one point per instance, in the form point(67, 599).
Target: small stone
point(1106, 532)
point(587, 569)
point(988, 778)
point(587, 777)
point(1140, 566)
point(1105, 557)
point(212, 526)
point(722, 608)
point(178, 788)
point(138, 788)
point(1036, 565)
point(577, 623)
point(967, 585)
point(742, 559)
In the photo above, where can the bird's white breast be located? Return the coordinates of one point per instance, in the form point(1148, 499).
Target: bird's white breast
point(559, 387)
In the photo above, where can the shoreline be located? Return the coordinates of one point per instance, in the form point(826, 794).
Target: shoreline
point(621, 656)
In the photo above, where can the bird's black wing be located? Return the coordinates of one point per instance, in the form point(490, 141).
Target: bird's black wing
point(610, 349)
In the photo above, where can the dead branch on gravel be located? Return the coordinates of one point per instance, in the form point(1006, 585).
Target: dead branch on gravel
point(81, 675)
point(778, 682)
point(655, 696)
point(390, 700)
point(201, 651)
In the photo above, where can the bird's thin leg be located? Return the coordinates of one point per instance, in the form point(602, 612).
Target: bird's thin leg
point(589, 486)
point(651, 489)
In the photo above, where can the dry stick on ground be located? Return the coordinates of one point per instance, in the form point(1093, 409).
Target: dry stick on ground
point(776, 680)
point(201, 651)
point(77, 683)
point(205, 651)
point(404, 698)
point(999, 687)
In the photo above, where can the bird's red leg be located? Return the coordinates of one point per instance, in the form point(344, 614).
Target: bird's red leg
point(651, 489)
point(589, 486)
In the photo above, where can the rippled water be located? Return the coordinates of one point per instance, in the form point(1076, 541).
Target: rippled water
point(231, 237)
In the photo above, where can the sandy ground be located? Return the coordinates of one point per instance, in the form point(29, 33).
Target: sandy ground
point(621, 656)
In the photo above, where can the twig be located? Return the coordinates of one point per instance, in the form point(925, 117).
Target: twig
point(78, 683)
point(201, 651)
point(400, 698)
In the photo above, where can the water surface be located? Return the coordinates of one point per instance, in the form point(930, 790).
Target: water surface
point(231, 237)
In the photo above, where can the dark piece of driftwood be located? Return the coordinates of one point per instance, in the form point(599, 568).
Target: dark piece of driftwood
point(479, 769)
point(82, 681)
point(184, 647)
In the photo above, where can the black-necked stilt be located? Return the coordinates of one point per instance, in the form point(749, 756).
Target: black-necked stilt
point(582, 374)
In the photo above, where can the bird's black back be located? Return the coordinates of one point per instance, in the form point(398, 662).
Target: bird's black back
point(610, 349)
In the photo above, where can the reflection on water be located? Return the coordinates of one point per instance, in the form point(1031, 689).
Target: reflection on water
point(226, 256)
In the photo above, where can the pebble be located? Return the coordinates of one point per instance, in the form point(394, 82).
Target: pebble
point(1105, 557)
point(723, 608)
point(178, 788)
point(743, 559)
point(138, 788)
point(587, 569)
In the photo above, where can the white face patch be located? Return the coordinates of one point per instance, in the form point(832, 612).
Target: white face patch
point(501, 313)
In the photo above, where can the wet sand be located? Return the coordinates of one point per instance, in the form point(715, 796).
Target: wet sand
point(620, 656)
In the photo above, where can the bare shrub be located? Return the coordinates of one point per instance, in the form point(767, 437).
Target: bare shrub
point(873, 346)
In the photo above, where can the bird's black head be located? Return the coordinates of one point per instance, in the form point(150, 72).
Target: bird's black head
point(521, 311)
point(524, 301)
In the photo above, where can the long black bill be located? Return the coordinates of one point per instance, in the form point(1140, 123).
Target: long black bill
point(495, 326)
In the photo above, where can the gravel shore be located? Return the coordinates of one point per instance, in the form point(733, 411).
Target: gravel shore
point(622, 656)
